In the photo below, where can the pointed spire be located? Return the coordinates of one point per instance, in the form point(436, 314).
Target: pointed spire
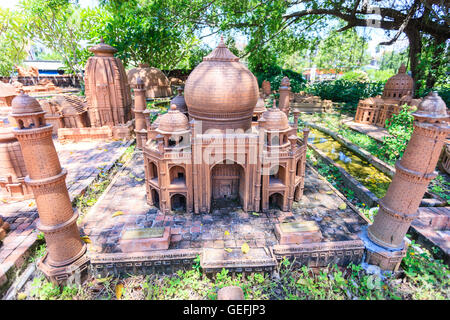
point(402, 68)
point(221, 53)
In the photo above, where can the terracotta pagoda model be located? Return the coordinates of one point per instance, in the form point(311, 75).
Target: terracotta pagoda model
point(108, 98)
point(156, 84)
point(65, 250)
point(219, 156)
point(414, 171)
point(398, 91)
point(266, 88)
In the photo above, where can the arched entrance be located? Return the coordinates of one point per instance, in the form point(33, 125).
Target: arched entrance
point(276, 201)
point(155, 197)
point(177, 175)
point(227, 184)
point(178, 202)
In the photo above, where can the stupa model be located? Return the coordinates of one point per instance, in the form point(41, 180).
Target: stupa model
point(398, 91)
point(218, 156)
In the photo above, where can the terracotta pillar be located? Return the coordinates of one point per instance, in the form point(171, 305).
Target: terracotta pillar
point(296, 113)
point(140, 106)
point(414, 171)
point(65, 250)
point(285, 93)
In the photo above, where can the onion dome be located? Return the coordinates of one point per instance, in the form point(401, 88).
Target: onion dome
point(221, 91)
point(173, 121)
point(24, 104)
point(399, 85)
point(179, 101)
point(103, 49)
point(433, 108)
point(274, 119)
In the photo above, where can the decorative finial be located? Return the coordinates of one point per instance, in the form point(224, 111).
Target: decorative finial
point(402, 68)
point(173, 107)
point(102, 40)
point(274, 104)
point(180, 90)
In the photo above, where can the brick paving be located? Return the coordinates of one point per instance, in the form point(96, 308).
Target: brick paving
point(223, 228)
point(83, 161)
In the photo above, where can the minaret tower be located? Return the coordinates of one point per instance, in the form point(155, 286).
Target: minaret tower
point(285, 95)
point(414, 171)
point(65, 250)
point(139, 109)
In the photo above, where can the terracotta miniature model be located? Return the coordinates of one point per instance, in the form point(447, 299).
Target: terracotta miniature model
point(139, 108)
point(414, 172)
point(445, 158)
point(107, 91)
point(65, 250)
point(12, 168)
point(29, 71)
point(108, 98)
point(266, 88)
point(397, 92)
point(65, 111)
point(260, 108)
point(156, 83)
point(180, 102)
point(285, 95)
point(311, 104)
point(219, 157)
point(7, 93)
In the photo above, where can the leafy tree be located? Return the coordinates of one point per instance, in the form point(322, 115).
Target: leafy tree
point(12, 41)
point(342, 51)
point(392, 60)
point(62, 26)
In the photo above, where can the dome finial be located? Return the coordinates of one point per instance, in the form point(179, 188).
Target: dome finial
point(102, 40)
point(173, 107)
point(275, 104)
point(402, 68)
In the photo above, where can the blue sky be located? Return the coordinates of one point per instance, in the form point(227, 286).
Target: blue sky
point(377, 35)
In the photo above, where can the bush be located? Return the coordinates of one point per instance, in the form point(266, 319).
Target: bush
point(274, 74)
point(356, 75)
point(400, 127)
point(342, 90)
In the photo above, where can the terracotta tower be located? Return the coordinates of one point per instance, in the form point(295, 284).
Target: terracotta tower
point(107, 90)
point(140, 106)
point(414, 171)
point(285, 92)
point(65, 250)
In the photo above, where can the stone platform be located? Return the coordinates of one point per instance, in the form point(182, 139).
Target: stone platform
point(432, 229)
point(375, 132)
point(123, 207)
point(84, 161)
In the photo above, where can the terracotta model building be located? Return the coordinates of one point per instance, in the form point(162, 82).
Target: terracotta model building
point(65, 111)
point(311, 104)
point(414, 171)
point(398, 91)
point(285, 91)
point(267, 91)
point(140, 114)
point(7, 93)
point(219, 156)
point(12, 168)
point(108, 98)
point(156, 83)
point(65, 249)
point(179, 101)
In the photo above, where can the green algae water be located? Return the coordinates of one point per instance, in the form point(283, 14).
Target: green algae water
point(364, 172)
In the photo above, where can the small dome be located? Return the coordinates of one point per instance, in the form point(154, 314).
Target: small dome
point(173, 121)
point(24, 104)
point(274, 119)
point(103, 49)
point(399, 85)
point(432, 107)
point(221, 91)
point(156, 83)
point(179, 101)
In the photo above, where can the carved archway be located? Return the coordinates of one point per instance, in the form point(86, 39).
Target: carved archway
point(276, 201)
point(178, 202)
point(227, 183)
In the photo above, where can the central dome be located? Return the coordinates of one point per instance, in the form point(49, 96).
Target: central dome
point(221, 91)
